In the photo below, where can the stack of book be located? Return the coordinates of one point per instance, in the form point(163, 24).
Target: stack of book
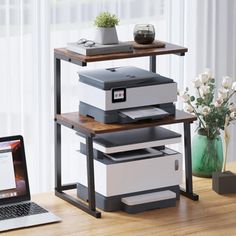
point(98, 49)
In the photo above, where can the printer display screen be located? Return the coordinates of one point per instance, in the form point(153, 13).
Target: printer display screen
point(118, 95)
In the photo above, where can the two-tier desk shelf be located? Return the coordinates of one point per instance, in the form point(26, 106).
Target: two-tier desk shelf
point(88, 127)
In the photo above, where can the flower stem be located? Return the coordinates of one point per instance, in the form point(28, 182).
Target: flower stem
point(230, 96)
point(196, 113)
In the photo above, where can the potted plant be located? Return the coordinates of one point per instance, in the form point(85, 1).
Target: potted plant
point(214, 111)
point(106, 30)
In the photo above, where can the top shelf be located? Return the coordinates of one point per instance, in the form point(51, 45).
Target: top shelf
point(169, 48)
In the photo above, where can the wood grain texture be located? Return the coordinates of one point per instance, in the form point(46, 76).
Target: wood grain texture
point(168, 49)
point(212, 215)
point(78, 122)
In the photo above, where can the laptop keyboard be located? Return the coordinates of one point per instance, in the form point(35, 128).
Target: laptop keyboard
point(20, 210)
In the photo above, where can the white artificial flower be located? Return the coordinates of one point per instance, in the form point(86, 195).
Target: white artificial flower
point(233, 86)
point(197, 83)
point(232, 107)
point(189, 108)
point(218, 102)
point(208, 72)
point(233, 115)
point(204, 77)
point(206, 110)
point(223, 93)
point(205, 89)
point(185, 97)
point(227, 82)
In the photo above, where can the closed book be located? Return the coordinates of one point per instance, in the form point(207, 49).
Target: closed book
point(98, 49)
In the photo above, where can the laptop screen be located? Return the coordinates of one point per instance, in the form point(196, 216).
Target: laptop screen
point(13, 174)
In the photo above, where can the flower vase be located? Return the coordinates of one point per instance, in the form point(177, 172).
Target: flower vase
point(207, 155)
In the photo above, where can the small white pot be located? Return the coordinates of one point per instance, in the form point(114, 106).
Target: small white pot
point(106, 35)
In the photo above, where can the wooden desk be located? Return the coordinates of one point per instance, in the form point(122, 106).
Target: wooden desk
point(213, 215)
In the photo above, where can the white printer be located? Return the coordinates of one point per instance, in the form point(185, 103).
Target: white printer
point(134, 170)
point(125, 94)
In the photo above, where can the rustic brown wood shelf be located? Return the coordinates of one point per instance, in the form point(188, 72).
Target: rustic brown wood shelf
point(89, 127)
point(79, 122)
point(168, 49)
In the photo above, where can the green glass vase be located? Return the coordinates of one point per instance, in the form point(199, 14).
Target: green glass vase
point(207, 155)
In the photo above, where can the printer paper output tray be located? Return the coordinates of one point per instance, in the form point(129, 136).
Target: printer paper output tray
point(143, 113)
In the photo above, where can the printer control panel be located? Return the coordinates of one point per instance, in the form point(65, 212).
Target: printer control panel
point(118, 95)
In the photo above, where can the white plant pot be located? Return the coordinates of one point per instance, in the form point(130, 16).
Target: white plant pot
point(106, 35)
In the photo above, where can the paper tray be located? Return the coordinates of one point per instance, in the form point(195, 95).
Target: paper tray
point(143, 113)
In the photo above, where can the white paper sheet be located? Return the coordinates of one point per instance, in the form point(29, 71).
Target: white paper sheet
point(139, 113)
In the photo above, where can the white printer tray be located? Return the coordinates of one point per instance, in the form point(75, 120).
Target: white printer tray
point(134, 139)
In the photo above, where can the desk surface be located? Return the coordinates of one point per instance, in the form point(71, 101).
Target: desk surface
point(168, 49)
point(212, 215)
point(78, 122)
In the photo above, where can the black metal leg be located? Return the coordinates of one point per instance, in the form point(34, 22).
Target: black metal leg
point(90, 173)
point(57, 132)
point(188, 192)
point(188, 160)
point(152, 64)
point(57, 127)
point(57, 88)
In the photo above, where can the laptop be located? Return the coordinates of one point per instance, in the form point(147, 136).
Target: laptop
point(16, 209)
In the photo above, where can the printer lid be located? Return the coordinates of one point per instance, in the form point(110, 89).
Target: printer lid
point(129, 76)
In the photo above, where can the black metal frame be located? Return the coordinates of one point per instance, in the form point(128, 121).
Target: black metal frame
point(60, 189)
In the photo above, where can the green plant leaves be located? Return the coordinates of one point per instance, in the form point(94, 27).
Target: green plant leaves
point(106, 20)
